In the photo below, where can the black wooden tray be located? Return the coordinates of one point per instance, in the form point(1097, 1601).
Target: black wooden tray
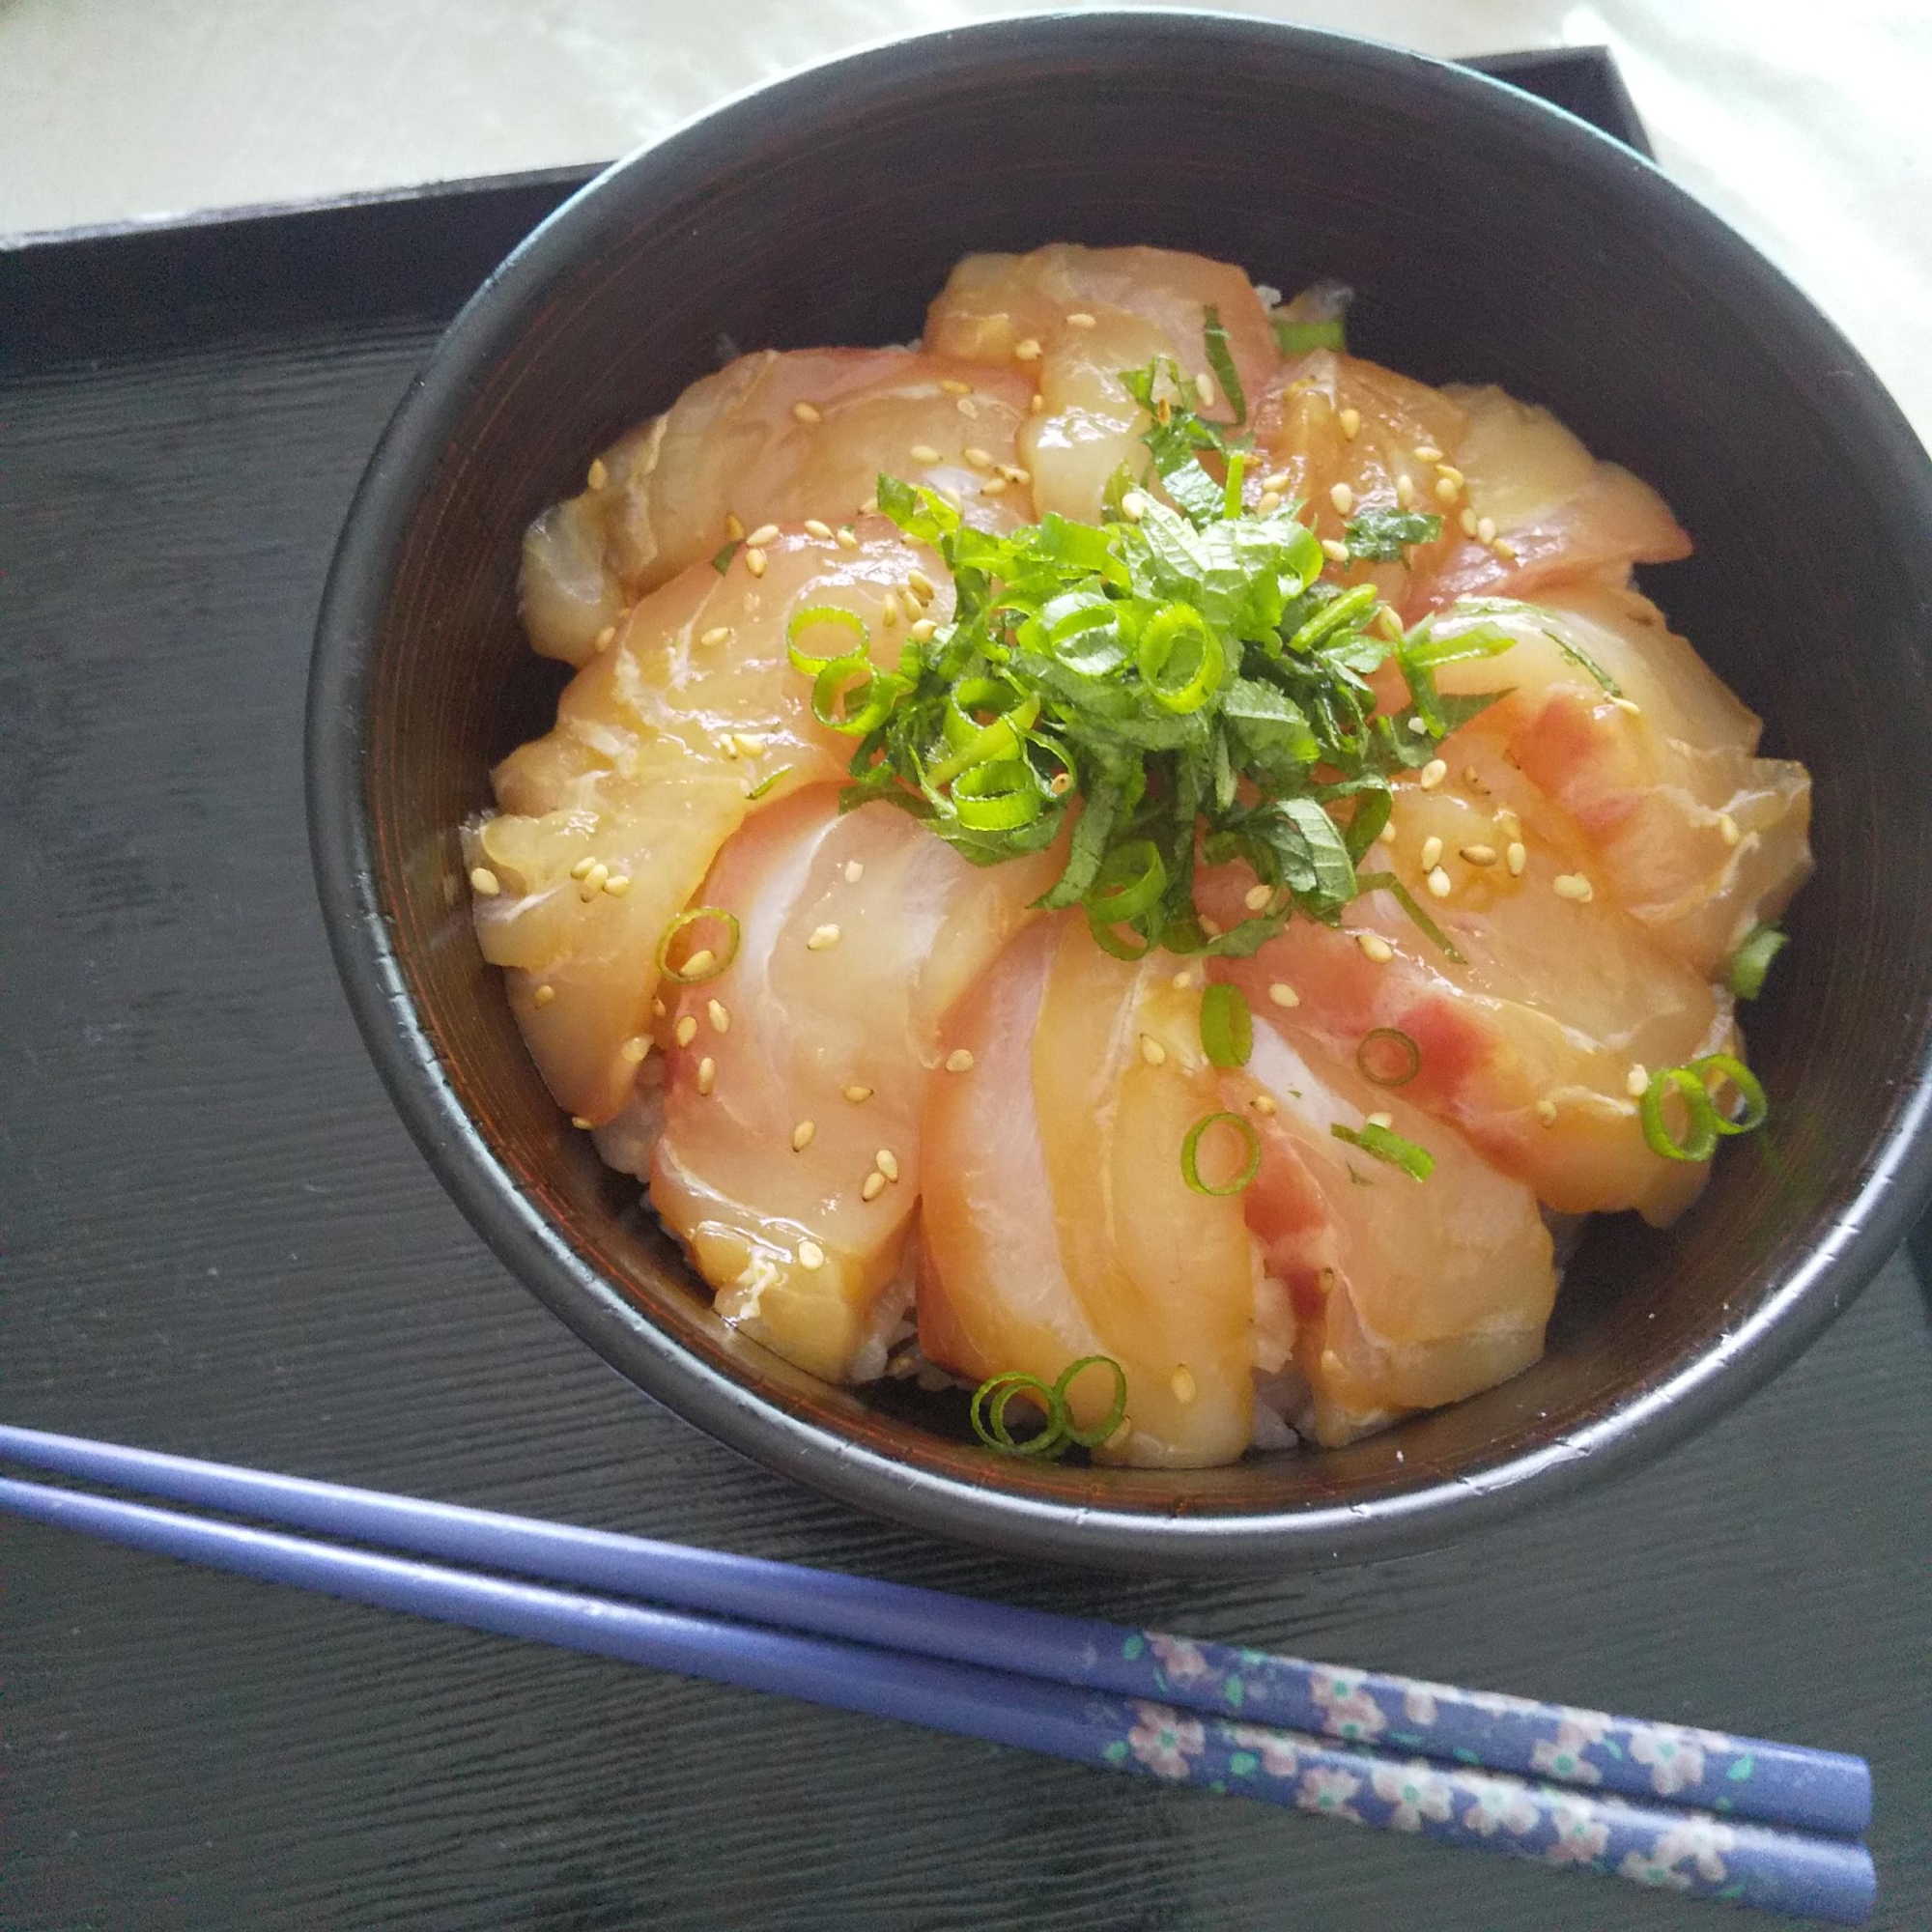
point(216, 1238)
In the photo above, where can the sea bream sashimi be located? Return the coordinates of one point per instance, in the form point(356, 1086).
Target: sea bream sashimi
point(1402, 1293)
point(1530, 1041)
point(1620, 723)
point(1075, 319)
point(771, 438)
point(691, 719)
point(1055, 1221)
point(789, 1161)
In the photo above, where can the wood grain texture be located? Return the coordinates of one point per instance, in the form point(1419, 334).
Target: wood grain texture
point(216, 1238)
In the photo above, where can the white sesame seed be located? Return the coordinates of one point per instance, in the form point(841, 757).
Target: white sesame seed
point(1133, 506)
point(801, 1136)
point(686, 1029)
point(1516, 857)
point(924, 452)
point(579, 1122)
point(1572, 886)
point(1427, 452)
point(1636, 1082)
point(1445, 491)
point(1432, 851)
point(822, 938)
point(1351, 424)
point(707, 1074)
point(543, 995)
point(581, 870)
point(637, 1049)
point(919, 581)
point(1342, 498)
point(953, 386)
point(658, 1009)
point(1508, 822)
point(1204, 389)
point(1268, 502)
point(1433, 774)
point(1505, 550)
point(1418, 727)
point(755, 560)
point(1438, 883)
point(484, 883)
point(1037, 407)
point(811, 1256)
point(1258, 896)
point(846, 539)
point(598, 474)
point(1545, 1111)
point(1152, 1051)
point(1486, 529)
point(1380, 1120)
point(604, 640)
point(1334, 551)
point(1404, 491)
point(1182, 1383)
point(593, 880)
point(968, 409)
point(1026, 350)
point(1080, 318)
point(1014, 473)
point(958, 1061)
point(1263, 1103)
point(716, 634)
point(814, 529)
point(855, 1094)
point(700, 963)
point(887, 1162)
point(617, 885)
point(1282, 994)
point(719, 1017)
point(870, 507)
point(875, 1185)
point(1451, 474)
point(728, 745)
point(1728, 829)
point(1629, 704)
point(734, 531)
point(1375, 947)
point(1478, 854)
point(1183, 981)
point(994, 485)
point(919, 633)
point(1279, 481)
point(976, 457)
point(1467, 520)
point(808, 412)
point(765, 533)
point(855, 870)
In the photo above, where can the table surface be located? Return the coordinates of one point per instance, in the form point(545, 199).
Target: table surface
point(216, 1238)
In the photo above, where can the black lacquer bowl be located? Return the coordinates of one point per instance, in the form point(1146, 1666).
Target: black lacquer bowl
point(1489, 238)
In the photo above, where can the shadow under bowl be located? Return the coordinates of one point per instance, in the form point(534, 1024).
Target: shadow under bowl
point(1489, 238)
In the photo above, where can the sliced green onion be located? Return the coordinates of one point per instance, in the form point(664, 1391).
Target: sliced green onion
point(1757, 1107)
point(846, 679)
point(1190, 1153)
point(1130, 881)
point(1230, 492)
point(998, 797)
point(1385, 1144)
point(720, 958)
point(1107, 937)
point(838, 618)
point(1388, 1057)
point(1700, 1140)
point(764, 784)
point(982, 744)
point(1751, 961)
point(1179, 630)
point(1227, 1026)
point(988, 1414)
point(1091, 1438)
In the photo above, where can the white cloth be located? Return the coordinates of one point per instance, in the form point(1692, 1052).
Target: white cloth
point(1807, 128)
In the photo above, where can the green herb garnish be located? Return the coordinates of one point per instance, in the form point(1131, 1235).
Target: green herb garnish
point(1313, 320)
point(722, 561)
point(1221, 360)
point(1751, 961)
point(1387, 1144)
point(1382, 536)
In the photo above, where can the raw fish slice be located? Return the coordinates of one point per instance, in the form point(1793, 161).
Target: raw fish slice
point(858, 934)
point(660, 744)
point(1056, 1222)
point(1559, 513)
point(1013, 312)
point(1303, 449)
point(1406, 1294)
point(733, 443)
point(1529, 1044)
point(1686, 830)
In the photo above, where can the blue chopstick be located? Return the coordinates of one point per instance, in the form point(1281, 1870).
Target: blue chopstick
point(1736, 1777)
point(1695, 1853)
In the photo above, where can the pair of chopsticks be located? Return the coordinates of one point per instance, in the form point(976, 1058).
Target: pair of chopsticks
point(1774, 1826)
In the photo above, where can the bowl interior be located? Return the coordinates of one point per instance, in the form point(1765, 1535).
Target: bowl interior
point(1488, 238)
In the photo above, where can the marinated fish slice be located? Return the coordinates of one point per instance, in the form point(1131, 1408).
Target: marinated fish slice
point(1544, 510)
point(1075, 318)
point(1529, 1044)
point(663, 745)
point(1406, 1294)
point(1055, 1221)
point(790, 1162)
point(1692, 835)
point(772, 437)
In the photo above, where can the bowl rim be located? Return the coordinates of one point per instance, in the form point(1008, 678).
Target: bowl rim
point(1859, 1236)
